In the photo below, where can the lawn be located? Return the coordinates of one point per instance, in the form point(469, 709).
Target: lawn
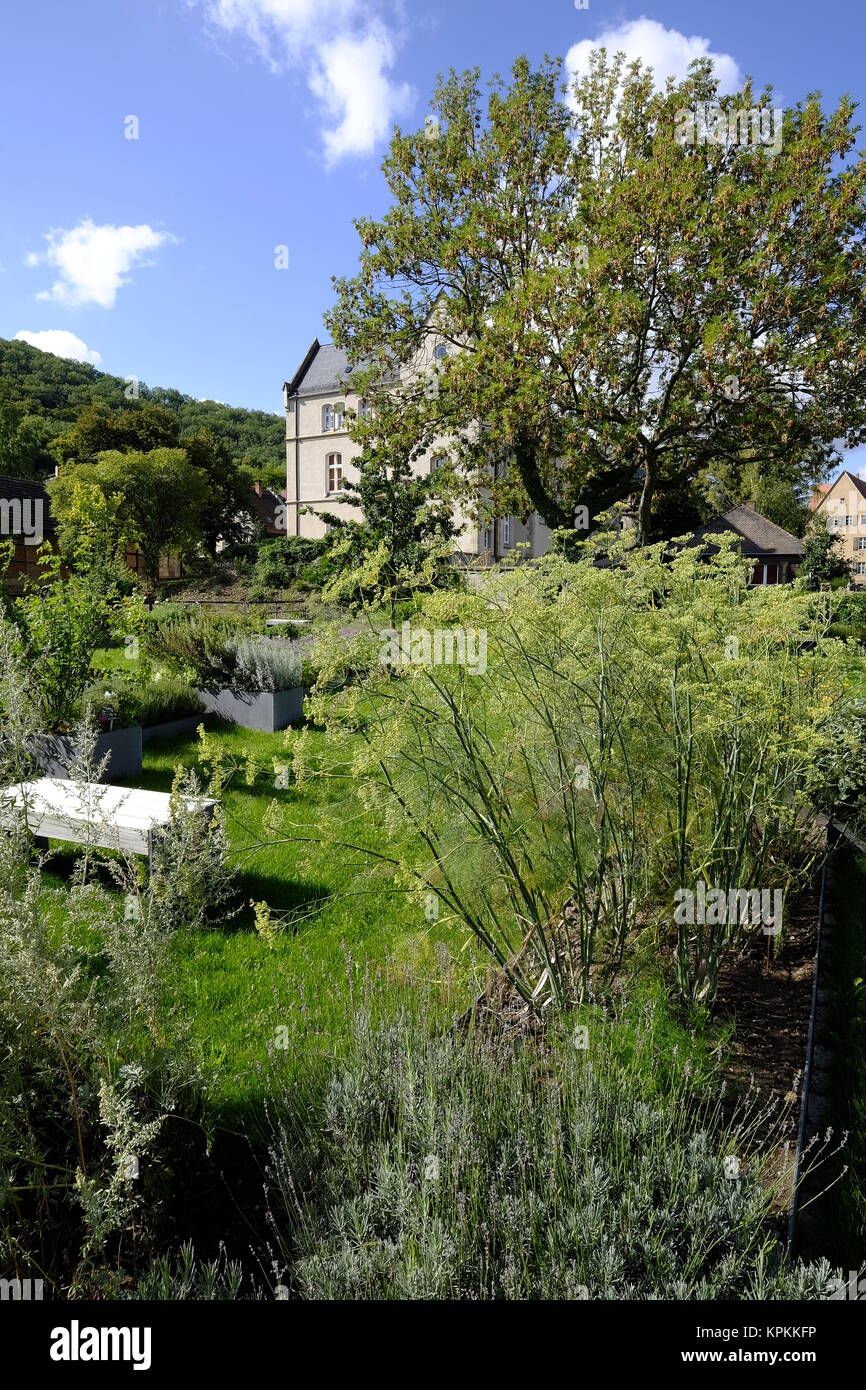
point(233, 989)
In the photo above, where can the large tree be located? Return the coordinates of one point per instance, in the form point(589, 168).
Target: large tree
point(631, 312)
point(99, 429)
point(157, 498)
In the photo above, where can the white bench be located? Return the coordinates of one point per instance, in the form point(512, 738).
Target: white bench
point(120, 818)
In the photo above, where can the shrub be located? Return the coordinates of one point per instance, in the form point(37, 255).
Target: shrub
point(851, 609)
point(62, 624)
point(217, 653)
point(282, 562)
point(455, 1167)
point(634, 730)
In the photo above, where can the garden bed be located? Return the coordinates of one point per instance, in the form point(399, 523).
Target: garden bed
point(54, 752)
point(263, 710)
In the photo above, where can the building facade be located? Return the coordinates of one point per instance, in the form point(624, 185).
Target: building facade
point(320, 455)
point(842, 507)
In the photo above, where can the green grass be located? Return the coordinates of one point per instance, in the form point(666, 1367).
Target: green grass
point(231, 988)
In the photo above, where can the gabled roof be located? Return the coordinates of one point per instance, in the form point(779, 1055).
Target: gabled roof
point(818, 495)
point(758, 534)
point(826, 489)
point(324, 368)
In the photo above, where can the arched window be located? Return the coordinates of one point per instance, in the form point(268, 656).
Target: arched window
point(333, 473)
point(440, 350)
point(365, 411)
point(339, 411)
point(327, 418)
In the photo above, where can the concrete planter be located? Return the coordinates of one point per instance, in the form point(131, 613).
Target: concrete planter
point(122, 745)
point(171, 728)
point(264, 710)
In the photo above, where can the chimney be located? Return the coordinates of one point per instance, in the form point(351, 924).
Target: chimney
point(258, 488)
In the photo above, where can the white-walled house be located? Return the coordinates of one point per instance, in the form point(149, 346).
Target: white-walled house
point(841, 506)
point(320, 454)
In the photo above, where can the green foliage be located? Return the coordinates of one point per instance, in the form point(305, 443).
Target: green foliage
point(851, 609)
point(823, 560)
point(93, 536)
point(77, 1101)
point(227, 499)
point(99, 430)
point(24, 438)
point(427, 1170)
point(630, 731)
point(407, 517)
point(597, 293)
point(221, 653)
point(55, 391)
point(289, 562)
point(144, 698)
point(158, 498)
point(191, 884)
point(63, 622)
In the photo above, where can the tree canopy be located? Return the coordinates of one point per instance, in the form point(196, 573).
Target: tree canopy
point(51, 392)
point(632, 313)
point(159, 498)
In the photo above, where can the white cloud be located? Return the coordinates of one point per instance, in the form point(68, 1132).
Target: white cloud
point(93, 262)
point(666, 51)
point(362, 111)
point(346, 50)
point(62, 343)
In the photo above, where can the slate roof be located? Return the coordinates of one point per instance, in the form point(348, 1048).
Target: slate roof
point(325, 368)
point(759, 535)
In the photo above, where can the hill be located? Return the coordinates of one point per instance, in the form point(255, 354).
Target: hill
point(41, 396)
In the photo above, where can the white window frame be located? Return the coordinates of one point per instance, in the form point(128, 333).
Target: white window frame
point(506, 531)
point(487, 538)
point(327, 419)
point(339, 414)
point(338, 473)
point(861, 542)
point(860, 567)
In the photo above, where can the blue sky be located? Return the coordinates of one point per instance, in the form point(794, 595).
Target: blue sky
point(261, 123)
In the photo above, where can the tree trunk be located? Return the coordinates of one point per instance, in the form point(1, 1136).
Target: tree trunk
point(644, 509)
